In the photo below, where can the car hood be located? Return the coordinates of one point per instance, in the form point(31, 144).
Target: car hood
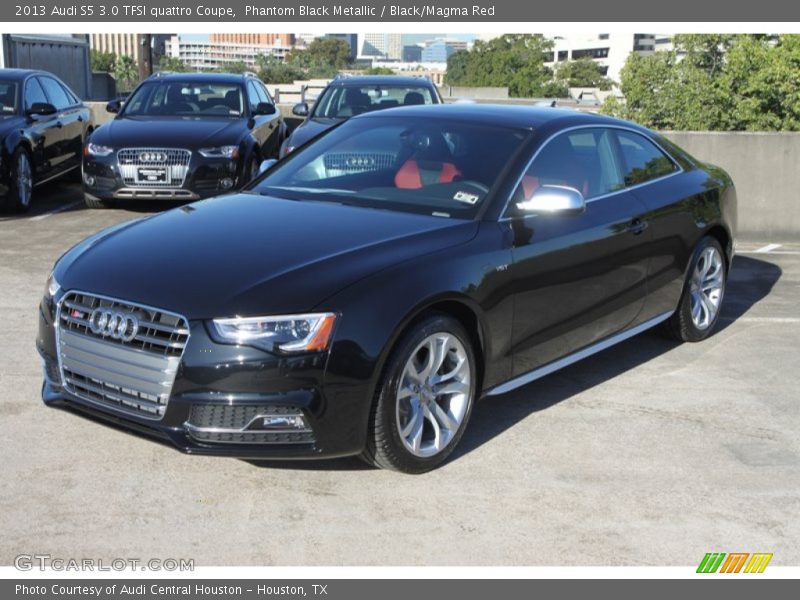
point(310, 128)
point(174, 132)
point(247, 254)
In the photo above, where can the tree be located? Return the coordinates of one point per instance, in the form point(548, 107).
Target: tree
point(272, 70)
point(714, 82)
point(515, 61)
point(102, 61)
point(322, 55)
point(238, 66)
point(172, 64)
point(378, 71)
point(126, 73)
point(582, 72)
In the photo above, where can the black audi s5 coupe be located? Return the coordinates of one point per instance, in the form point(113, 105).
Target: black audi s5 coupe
point(182, 136)
point(346, 97)
point(42, 128)
point(360, 295)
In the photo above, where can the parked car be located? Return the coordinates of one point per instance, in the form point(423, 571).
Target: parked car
point(364, 292)
point(182, 136)
point(42, 128)
point(345, 97)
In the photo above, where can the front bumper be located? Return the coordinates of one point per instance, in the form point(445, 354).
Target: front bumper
point(205, 178)
point(222, 395)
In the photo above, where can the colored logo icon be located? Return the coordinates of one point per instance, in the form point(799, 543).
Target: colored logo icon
point(735, 562)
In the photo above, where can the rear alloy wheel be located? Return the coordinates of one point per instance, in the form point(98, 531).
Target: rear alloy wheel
point(426, 398)
point(21, 188)
point(699, 308)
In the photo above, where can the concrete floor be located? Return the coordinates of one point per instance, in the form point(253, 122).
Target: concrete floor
point(650, 453)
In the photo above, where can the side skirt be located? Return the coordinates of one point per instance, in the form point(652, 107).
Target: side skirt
point(530, 376)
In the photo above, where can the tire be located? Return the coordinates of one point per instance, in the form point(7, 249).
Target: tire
point(699, 307)
point(20, 189)
point(412, 428)
point(92, 202)
point(252, 169)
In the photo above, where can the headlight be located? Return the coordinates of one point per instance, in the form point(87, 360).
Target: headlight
point(91, 149)
point(291, 333)
point(221, 152)
point(52, 287)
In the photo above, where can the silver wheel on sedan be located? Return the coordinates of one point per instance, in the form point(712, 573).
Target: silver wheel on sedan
point(433, 394)
point(24, 182)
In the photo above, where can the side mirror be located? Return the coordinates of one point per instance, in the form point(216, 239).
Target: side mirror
point(265, 165)
point(41, 109)
point(265, 108)
point(300, 110)
point(114, 106)
point(552, 199)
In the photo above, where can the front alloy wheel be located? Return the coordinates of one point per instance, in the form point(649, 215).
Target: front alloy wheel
point(425, 399)
point(433, 394)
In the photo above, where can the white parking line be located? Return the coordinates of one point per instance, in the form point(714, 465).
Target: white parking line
point(762, 319)
point(58, 210)
point(767, 249)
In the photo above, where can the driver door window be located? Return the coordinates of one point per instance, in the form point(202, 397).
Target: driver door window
point(583, 159)
point(33, 93)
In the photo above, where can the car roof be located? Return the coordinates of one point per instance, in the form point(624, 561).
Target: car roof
point(399, 80)
point(20, 74)
point(526, 117)
point(208, 77)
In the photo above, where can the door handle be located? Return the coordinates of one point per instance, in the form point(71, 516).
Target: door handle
point(637, 226)
point(80, 119)
point(59, 124)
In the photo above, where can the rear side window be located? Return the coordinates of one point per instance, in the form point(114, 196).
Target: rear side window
point(643, 160)
point(58, 97)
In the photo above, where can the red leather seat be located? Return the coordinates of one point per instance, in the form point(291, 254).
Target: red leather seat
point(415, 174)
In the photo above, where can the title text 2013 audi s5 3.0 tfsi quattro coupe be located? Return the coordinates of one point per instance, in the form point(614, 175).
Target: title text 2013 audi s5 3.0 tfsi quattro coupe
point(360, 295)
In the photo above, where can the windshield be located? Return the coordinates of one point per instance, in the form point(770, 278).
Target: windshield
point(186, 99)
point(8, 98)
point(435, 167)
point(342, 102)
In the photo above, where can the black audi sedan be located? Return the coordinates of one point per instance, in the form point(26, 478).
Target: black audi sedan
point(182, 136)
point(42, 128)
point(346, 97)
point(364, 292)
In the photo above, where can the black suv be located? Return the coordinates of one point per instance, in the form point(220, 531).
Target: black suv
point(182, 136)
point(42, 128)
point(346, 97)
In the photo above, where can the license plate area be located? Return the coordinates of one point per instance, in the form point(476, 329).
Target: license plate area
point(151, 175)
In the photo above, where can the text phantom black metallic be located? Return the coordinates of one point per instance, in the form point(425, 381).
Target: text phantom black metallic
point(364, 292)
point(182, 137)
point(42, 128)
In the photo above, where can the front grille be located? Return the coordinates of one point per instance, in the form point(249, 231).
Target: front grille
point(343, 163)
point(225, 423)
point(174, 160)
point(134, 376)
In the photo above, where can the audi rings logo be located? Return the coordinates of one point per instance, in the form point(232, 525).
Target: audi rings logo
point(150, 157)
point(114, 324)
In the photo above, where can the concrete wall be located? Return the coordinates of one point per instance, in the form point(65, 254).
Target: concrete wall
point(766, 170)
point(474, 93)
